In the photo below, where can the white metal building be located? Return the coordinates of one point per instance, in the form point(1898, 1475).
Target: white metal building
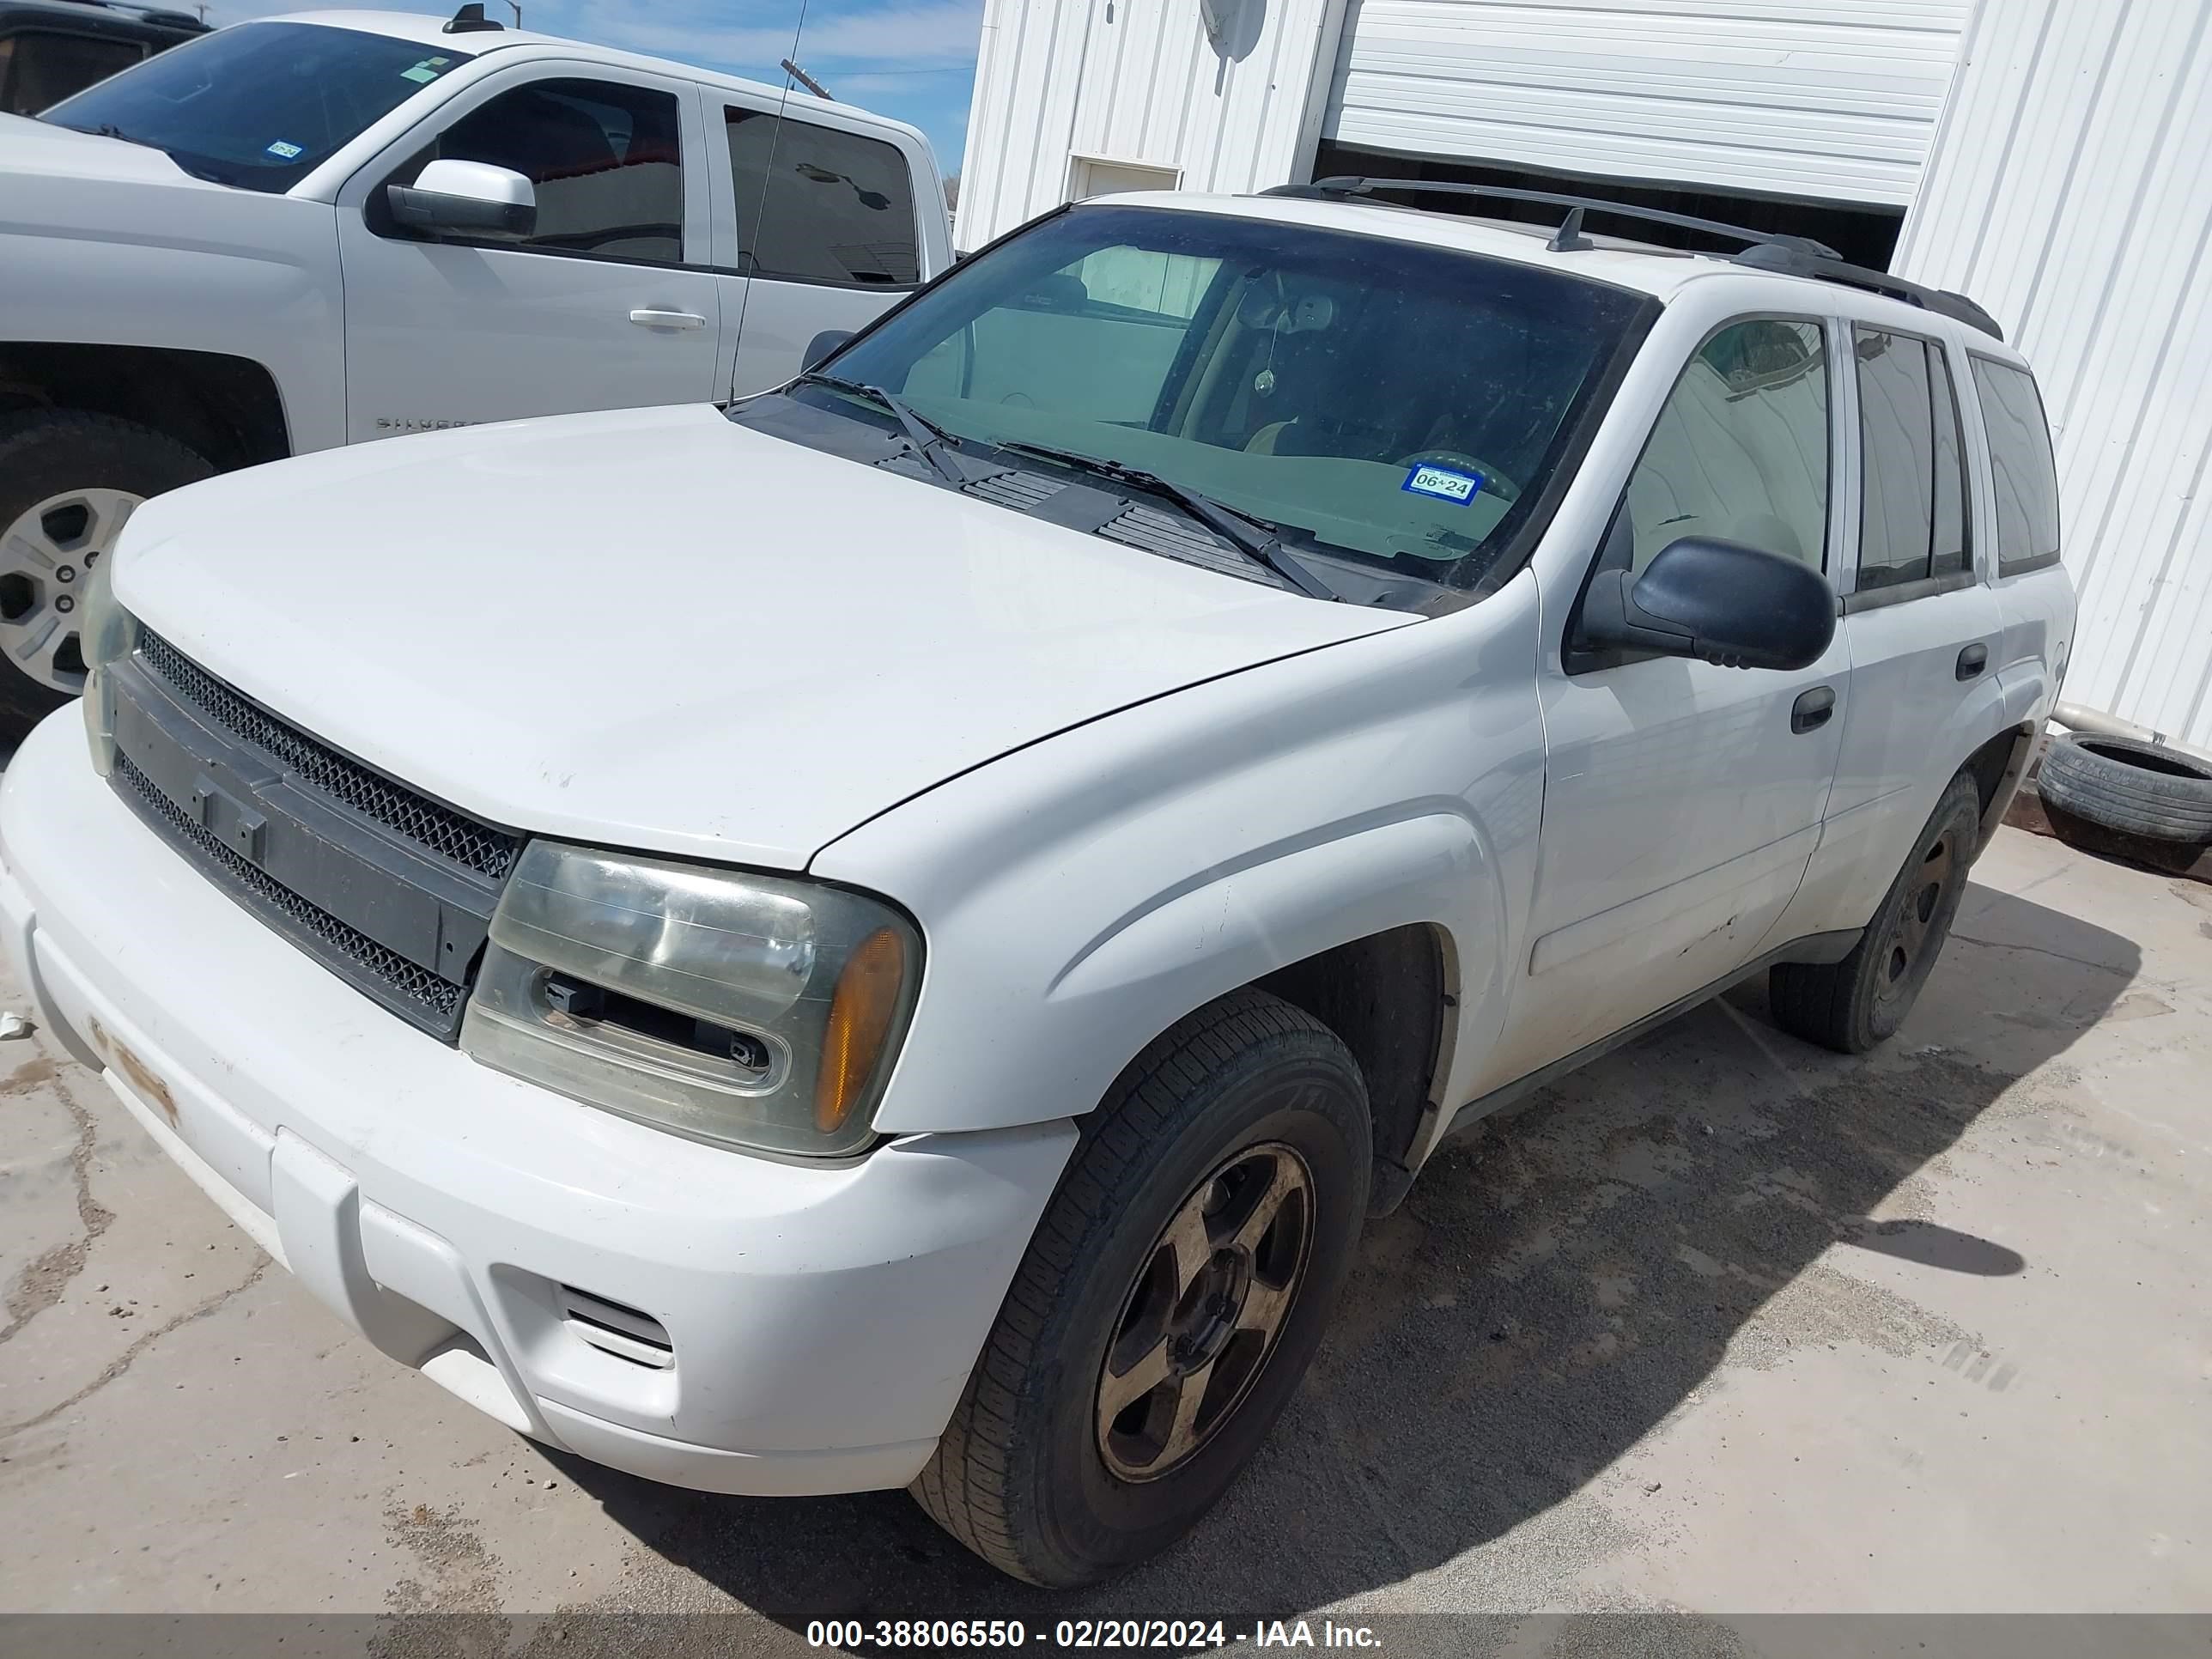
point(2047, 157)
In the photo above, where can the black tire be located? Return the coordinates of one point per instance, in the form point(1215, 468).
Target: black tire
point(49, 453)
point(1021, 1476)
point(1853, 1005)
point(2143, 789)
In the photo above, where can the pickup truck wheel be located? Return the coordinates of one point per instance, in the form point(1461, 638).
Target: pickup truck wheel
point(1852, 1004)
point(69, 480)
point(1170, 1300)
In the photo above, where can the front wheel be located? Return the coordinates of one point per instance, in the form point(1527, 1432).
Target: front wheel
point(1171, 1299)
point(1852, 1004)
point(69, 480)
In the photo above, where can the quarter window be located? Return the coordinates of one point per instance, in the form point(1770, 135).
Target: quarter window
point(2019, 457)
point(1739, 453)
point(816, 204)
point(605, 160)
point(1913, 518)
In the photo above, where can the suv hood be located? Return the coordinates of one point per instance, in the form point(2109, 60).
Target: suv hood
point(653, 628)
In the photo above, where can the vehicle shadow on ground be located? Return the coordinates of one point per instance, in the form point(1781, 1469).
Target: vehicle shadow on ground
point(1547, 1296)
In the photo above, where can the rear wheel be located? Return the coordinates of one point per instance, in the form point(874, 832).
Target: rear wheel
point(1172, 1297)
point(1852, 1004)
point(69, 482)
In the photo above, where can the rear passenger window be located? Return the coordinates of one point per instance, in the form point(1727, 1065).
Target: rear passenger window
point(1913, 502)
point(816, 204)
point(605, 160)
point(1739, 453)
point(2019, 456)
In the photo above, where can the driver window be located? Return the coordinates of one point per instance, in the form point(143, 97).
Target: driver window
point(605, 159)
point(1739, 453)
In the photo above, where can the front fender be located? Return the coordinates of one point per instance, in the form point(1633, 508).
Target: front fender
point(1079, 897)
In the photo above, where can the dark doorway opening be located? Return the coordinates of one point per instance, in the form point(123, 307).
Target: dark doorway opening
point(1863, 234)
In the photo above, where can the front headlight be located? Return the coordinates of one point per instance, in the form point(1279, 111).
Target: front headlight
point(746, 1010)
point(106, 633)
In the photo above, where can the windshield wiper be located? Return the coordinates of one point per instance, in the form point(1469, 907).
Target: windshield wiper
point(1256, 540)
point(929, 441)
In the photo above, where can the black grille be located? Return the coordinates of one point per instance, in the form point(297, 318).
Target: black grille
point(403, 981)
point(438, 829)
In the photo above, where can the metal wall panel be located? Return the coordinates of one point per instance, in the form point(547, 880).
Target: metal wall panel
point(1835, 101)
point(2068, 192)
point(1137, 80)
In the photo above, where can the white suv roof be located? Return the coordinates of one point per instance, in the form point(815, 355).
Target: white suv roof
point(1661, 272)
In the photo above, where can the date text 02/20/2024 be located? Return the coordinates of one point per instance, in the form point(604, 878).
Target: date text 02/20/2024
point(1167, 1635)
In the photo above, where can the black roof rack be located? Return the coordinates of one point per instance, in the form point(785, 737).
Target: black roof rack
point(1569, 238)
point(1941, 301)
point(1763, 250)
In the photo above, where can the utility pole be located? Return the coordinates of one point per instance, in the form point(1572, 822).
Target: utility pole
point(515, 6)
point(804, 79)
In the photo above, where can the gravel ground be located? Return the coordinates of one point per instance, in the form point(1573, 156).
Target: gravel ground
point(1723, 1324)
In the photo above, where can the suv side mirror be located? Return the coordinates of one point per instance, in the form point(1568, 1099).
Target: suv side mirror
point(467, 198)
point(822, 344)
point(1727, 603)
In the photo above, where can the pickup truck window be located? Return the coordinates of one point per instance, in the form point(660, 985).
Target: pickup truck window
point(258, 106)
point(606, 161)
point(2019, 456)
point(39, 68)
point(1406, 405)
point(1913, 507)
point(1740, 450)
point(816, 204)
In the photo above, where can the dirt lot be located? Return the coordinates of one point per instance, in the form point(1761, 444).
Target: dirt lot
point(1724, 1324)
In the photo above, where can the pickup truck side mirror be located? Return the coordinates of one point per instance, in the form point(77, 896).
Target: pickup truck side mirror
point(822, 344)
point(467, 198)
point(1721, 601)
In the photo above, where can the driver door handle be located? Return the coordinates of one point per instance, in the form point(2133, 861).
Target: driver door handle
point(1812, 709)
point(654, 317)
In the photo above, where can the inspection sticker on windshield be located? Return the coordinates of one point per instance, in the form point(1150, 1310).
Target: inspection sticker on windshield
point(1445, 483)
point(283, 151)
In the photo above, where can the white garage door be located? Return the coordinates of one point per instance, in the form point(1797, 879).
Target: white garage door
point(1835, 101)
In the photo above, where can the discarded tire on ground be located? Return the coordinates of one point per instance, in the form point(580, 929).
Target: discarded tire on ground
point(2144, 789)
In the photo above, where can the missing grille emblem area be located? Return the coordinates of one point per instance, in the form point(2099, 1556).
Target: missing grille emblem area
point(388, 889)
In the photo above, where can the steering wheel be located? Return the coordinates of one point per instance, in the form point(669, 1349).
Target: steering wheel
point(1493, 480)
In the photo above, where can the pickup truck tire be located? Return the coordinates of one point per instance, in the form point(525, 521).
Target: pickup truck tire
point(1200, 1236)
point(2137, 788)
point(68, 479)
point(1852, 1004)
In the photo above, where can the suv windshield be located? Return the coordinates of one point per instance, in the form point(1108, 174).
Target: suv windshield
point(260, 104)
point(1402, 404)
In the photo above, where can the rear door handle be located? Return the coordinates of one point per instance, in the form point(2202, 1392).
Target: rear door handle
point(1972, 661)
point(654, 317)
point(1811, 710)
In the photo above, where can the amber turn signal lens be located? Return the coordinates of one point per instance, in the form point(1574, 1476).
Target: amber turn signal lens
point(860, 1013)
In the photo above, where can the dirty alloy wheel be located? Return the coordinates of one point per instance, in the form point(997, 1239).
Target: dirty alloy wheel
point(69, 482)
point(1171, 1298)
point(1852, 1004)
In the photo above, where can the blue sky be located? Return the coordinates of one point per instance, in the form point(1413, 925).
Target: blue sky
point(915, 59)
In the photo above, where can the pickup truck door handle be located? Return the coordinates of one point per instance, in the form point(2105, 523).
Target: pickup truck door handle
point(1972, 661)
point(1811, 710)
point(654, 317)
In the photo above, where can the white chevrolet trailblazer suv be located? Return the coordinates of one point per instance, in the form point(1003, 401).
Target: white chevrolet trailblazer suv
point(893, 935)
point(294, 235)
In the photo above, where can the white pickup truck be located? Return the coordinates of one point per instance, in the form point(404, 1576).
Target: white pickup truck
point(292, 234)
point(1094, 783)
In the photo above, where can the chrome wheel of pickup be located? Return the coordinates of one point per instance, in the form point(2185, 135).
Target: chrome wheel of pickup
point(46, 553)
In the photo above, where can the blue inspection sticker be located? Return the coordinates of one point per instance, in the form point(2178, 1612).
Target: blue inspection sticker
point(284, 151)
point(1445, 483)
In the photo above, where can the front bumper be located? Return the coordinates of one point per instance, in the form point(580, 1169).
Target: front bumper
point(820, 1319)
